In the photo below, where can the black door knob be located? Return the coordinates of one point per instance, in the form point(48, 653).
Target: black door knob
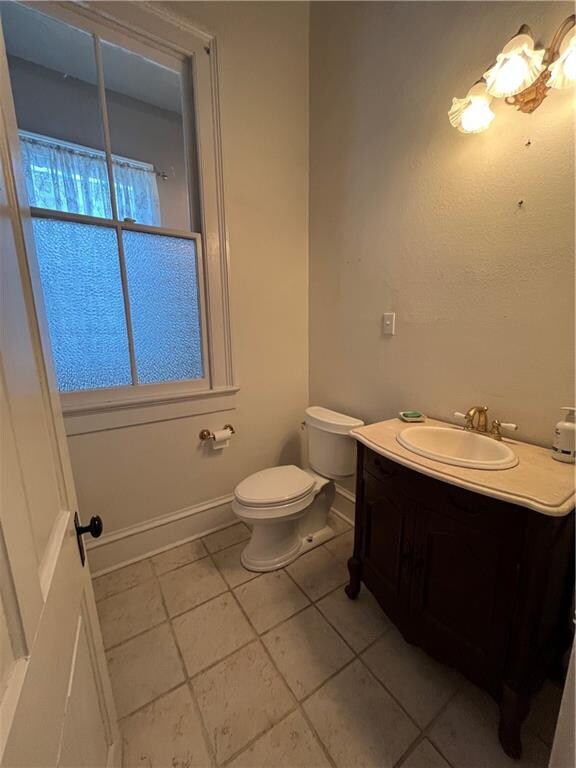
point(94, 528)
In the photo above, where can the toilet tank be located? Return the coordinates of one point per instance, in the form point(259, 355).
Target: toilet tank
point(331, 450)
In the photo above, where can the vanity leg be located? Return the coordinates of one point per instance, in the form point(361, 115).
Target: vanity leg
point(355, 569)
point(513, 710)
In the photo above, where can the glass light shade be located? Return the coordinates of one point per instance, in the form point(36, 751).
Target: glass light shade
point(563, 70)
point(516, 68)
point(472, 114)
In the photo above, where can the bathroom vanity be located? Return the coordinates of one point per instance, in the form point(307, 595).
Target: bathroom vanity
point(473, 566)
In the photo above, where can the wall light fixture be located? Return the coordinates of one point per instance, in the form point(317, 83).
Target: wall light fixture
point(472, 114)
point(563, 70)
point(522, 75)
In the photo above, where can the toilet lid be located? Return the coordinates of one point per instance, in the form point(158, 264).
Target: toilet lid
point(277, 485)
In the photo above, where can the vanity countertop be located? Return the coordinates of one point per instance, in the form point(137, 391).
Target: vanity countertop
point(537, 482)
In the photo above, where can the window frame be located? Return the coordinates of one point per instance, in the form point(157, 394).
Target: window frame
point(126, 395)
point(160, 36)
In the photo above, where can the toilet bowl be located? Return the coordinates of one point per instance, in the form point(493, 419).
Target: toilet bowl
point(287, 507)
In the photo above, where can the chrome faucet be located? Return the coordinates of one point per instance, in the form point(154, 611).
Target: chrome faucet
point(476, 420)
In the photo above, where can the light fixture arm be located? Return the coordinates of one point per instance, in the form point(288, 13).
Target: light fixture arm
point(554, 48)
point(530, 99)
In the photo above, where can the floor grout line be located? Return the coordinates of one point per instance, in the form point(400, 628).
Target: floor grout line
point(355, 657)
point(152, 701)
point(188, 683)
point(178, 567)
point(122, 591)
point(427, 730)
point(256, 738)
point(298, 703)
point(198, 605)
point(203, 727)
point(258, 639)
point(321, 615)
point(169, 618)
point(301, 588)
point(424, 733)
point(341, 635)
point(213, 664)
point(156, 575)
point(316, 735)
point(114, 647)
point(150, 558)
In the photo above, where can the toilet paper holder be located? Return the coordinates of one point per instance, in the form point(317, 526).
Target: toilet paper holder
point(206, 434)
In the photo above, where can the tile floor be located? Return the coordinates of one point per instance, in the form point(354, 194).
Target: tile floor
point(214, 666)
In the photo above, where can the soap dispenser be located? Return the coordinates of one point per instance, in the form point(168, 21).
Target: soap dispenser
point(564, 444)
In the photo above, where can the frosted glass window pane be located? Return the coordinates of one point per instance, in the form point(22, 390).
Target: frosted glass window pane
point(80, 276)
point(163, 291)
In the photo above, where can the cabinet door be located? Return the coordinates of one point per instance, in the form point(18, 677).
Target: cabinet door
point(388, 546)
point(465, 577)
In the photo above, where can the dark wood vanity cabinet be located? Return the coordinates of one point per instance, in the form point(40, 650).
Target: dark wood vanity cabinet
point(478, 583)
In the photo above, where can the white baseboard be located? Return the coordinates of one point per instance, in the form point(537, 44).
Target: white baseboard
point(344, 503)
point(136, 542)
point(128, 545)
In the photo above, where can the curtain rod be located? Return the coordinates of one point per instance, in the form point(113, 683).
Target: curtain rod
point(79, 149)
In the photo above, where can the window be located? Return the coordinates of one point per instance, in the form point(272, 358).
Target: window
point(109, 146)
point(63, 176)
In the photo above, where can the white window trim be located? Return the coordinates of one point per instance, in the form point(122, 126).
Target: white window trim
point(141, 26)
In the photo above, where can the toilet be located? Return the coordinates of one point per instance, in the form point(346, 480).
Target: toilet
point(287, 507)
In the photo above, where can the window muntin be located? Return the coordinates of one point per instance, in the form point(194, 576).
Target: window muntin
point(174, 304)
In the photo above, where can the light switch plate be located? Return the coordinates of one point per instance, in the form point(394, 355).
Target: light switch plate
point(389, 324)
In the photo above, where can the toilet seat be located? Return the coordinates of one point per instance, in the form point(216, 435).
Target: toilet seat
point(275, 512)
point(274, 488)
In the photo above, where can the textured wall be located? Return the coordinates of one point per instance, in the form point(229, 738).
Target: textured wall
point(408, 215)
point(136, 473)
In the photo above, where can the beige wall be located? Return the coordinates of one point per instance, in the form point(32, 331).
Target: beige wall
point(132, 474)
point(408, 215)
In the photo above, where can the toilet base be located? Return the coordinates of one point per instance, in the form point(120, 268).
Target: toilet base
point(300, 547)
point(278, 540)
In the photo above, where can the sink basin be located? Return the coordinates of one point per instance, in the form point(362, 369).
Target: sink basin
point(458, 447)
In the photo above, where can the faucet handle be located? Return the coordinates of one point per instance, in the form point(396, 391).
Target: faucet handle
point(497, 426)
point(467, 418)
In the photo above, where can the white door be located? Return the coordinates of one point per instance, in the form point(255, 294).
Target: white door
point(56, 706)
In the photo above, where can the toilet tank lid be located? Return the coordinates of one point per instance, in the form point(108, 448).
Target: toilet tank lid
point(331, 421)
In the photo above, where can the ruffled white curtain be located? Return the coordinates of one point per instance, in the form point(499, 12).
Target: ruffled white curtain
point(72, 178)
